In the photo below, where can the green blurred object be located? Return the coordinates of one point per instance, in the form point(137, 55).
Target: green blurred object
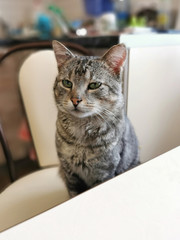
point(63, 23)
point(137, 21)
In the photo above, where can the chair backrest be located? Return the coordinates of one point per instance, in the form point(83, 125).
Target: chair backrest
point(36, 79)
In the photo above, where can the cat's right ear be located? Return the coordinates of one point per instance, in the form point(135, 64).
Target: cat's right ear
point(115, 57)
point(62, 54)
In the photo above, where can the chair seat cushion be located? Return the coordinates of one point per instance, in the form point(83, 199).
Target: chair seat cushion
point(31, 195)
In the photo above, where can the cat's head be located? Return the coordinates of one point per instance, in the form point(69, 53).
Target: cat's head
point(87, 86)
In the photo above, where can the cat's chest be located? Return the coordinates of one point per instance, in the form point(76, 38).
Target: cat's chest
point(76, 154)
point(87, 142)
point(91, 165)
point(80, 160)
point(86, 157)
point(83, 160)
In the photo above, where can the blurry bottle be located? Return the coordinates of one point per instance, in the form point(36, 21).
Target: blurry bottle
point(164, 15)
point(41, 20)
point(98, 7)
point(122, 10)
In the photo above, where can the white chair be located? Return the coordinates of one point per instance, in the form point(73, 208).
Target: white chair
point(42, 189)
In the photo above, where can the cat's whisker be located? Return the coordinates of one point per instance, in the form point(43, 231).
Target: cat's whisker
point(102, 118)
point(108, 112)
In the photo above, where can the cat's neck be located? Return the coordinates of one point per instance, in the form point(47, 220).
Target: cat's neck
point(83, 129)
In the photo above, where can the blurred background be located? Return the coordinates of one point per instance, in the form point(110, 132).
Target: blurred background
point(50, 19)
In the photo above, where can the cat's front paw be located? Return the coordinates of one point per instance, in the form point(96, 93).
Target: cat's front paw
point(73, 194)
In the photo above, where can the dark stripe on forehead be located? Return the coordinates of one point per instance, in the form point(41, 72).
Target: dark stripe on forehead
point(81, 67)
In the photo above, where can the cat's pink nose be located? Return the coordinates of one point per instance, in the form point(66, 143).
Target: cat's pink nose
point(76, 101)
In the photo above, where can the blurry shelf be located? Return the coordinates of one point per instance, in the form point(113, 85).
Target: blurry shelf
point(95, 42)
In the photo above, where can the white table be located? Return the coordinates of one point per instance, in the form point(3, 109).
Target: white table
point(143, 203)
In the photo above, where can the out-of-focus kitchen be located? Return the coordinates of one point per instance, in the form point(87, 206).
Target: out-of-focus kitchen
point(94, 24)
point(44, 19)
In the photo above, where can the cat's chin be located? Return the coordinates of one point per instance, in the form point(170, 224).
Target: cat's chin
point(80, 114)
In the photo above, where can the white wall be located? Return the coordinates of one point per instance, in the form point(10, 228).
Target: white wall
point(153, 98)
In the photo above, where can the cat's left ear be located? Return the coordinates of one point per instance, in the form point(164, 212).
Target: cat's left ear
point(62, 54)
point(115, 57)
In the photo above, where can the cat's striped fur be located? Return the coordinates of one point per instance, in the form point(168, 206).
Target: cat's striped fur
point(95, 140)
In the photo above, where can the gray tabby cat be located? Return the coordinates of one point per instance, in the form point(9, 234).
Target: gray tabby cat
point(95, 140)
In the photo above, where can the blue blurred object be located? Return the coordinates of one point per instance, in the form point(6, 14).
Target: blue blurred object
point(98, 7)
point(44, 26)
point(76, 24)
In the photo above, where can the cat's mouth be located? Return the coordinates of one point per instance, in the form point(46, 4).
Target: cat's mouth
point(77, 112)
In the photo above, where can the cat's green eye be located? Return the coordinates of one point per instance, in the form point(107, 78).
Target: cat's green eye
point(94, 85)
point(67, 83)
